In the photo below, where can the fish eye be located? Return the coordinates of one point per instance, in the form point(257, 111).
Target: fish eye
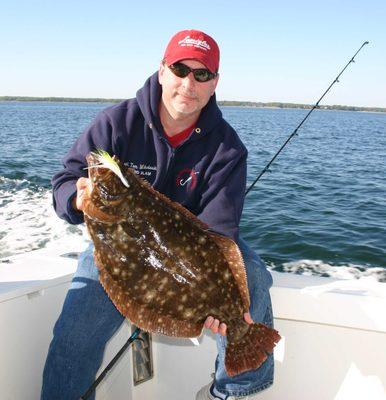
point(107, 195)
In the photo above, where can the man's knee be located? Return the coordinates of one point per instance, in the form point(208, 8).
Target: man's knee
point(259, 281)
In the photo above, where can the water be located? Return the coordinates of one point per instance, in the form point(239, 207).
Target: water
point(321, 211)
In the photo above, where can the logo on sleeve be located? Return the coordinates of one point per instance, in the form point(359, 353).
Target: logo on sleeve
point(187, 178)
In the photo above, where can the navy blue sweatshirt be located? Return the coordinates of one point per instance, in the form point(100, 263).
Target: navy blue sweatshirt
point(206, 173)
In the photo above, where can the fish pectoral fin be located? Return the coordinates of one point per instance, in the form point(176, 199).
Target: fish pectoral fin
point(236, 264)
point(251, 350)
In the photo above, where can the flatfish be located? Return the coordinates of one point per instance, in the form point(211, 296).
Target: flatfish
point(164, 269)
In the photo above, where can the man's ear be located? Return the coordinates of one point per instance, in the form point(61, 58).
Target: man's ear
point(215, 81)
point(161, 71)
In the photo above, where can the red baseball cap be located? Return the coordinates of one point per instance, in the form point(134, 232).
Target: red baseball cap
point(193, 45)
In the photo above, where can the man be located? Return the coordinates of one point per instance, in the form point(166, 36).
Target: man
point(173, 135)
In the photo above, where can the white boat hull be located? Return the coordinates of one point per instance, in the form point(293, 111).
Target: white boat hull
point(333, 346)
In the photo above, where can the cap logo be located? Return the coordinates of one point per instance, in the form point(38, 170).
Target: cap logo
point(189, 42)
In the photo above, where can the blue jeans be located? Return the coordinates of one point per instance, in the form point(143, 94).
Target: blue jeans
point(259, 281)
point(89, 319)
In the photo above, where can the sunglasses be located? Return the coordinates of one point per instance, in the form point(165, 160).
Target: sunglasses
point(200, 74)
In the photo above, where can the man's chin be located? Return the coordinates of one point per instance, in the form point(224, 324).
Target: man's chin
point(185, 109)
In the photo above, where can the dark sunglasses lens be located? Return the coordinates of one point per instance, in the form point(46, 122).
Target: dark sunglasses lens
point(202, 75)
point(180, 70)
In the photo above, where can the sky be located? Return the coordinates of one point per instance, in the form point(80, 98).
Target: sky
point(286, 51)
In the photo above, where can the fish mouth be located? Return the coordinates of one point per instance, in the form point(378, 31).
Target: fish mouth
point(95, 214)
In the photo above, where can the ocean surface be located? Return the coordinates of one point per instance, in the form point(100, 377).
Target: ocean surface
point(321, 210)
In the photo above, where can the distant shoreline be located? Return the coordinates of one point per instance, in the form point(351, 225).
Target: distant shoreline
point(224, 103)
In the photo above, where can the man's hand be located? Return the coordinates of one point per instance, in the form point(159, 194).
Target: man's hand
point(216, 327)
point(82, 184)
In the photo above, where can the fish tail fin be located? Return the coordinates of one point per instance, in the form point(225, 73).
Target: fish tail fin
point(251, 350)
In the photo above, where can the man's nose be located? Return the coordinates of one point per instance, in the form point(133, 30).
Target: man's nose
point(189, 80)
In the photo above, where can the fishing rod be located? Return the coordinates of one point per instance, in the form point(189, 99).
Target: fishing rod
point(90, 390)
point(294, 133)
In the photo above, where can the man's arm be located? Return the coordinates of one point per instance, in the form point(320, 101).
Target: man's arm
point(64, 183)
point(221, 209)
point(222, 202)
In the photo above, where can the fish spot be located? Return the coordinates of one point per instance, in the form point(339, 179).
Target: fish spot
point(202, 240)
point(150, 295)
point(227, 275)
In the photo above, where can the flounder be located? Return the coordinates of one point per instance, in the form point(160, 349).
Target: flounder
point(163, 269)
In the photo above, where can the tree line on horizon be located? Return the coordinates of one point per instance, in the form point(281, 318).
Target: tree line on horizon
point(225, 103)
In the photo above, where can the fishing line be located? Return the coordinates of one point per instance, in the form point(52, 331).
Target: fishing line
point(316, 105)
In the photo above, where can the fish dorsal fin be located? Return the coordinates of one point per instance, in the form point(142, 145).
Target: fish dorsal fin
point(235, 260)
point(173, 204)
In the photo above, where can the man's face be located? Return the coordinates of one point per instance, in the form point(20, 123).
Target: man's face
point(184, 97)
